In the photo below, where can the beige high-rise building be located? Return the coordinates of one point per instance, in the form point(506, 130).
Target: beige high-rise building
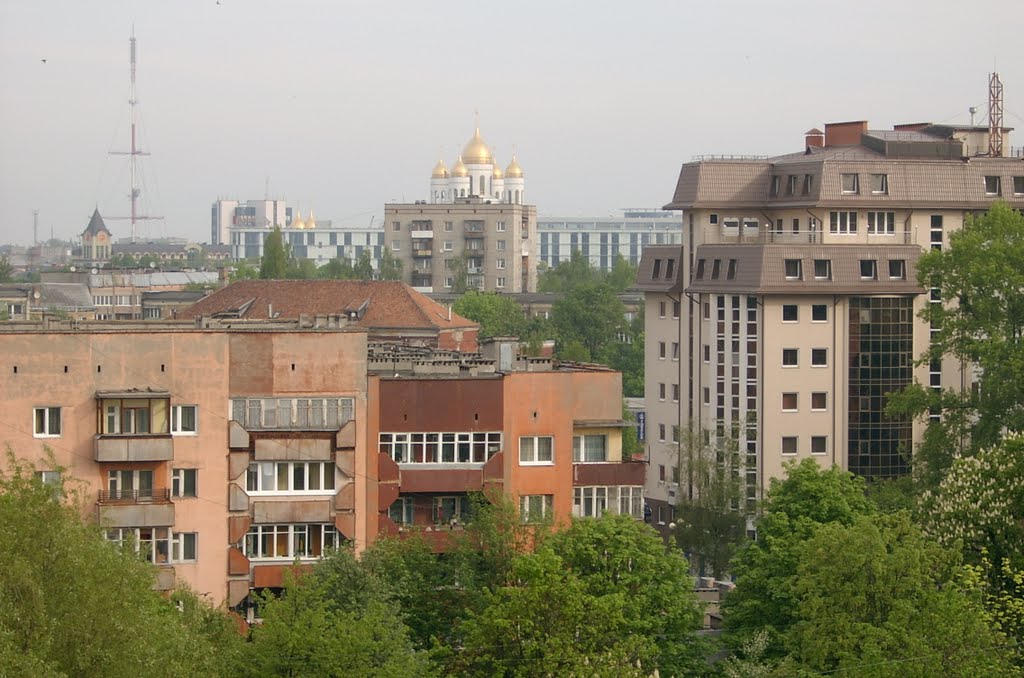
point(791, 309)
point(476, 225)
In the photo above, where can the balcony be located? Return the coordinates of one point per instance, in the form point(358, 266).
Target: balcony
point(127, 513)
point(123, 448)
point(740, 235)
point(422, 235)
point(608, 473)
point(422, 250)
point(139, 496)
point(473, 228)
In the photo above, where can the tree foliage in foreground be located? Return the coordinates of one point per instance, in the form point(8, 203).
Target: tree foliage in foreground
point(498, 315)
point(73, 604)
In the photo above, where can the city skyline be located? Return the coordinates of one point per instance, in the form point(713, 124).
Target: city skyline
point(341, 109)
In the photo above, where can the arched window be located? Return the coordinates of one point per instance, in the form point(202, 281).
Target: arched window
point(482, 191)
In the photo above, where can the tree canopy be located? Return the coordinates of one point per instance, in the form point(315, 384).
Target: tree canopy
point(498, 315)
point(274, 263)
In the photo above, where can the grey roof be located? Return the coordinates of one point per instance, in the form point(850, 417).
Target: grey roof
point(154, 279)
point(665, 280)
point(173, 296)
point(64, 297)
point(96, 224)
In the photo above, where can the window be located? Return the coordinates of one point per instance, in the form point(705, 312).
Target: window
point(1018, 185)
point(675, 393)
point(396, 226)
point(535, 450)
point(661, 432)
point(534, 508)
point(396, 245)
point(992, 185)
point(789, 444)
point(819, 357)
point(880, 184)
point(290, 477)
point(773, 191)
point(48, 477)
point(819, 444)
point(657, 269)
point(661, 309)
point(183, 482)
point(790, 313)
point(793, 269)
point(500, 245)
point(441, 448)
point(590, 448)
point(731, 272)
point(819, 401)
point(183, 547)
point(850, 183)
point(707, 353)
point(707, 395)
point(677, 306)
point(808, 184)
point(716, 267)
point(449, 226)
point(286, 413)
point(131, 485)
point(819, 313)
point(287, 542)
point(134, 416)
point(500, 283)
point(401, 511)
point(675, 350)
point(661, 391)
point(47, 422)
point(881, 223)
point(448, 246)
point(449, 282)
point(500, 264)
point(790, 357)
point(730, 222)
point(844, 223)
point(791, 182)
point(712, 218)
point(699, 275)
point(670, 266)
point(897, 269)
point(500, 227)
point(868, 269)
point(661, 350)
point(183, 420)
point(158, 545)
point(822, 269)
point(789, 402)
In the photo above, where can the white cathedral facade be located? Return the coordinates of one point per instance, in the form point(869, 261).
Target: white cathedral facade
point(477, 173)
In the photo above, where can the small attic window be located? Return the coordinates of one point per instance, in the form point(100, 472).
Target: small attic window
point(731, 272)
point(670, 268)
point(699, 275)
point(716, 268)
point(657, 269)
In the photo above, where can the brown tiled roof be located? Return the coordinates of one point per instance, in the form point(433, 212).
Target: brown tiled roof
point(710, 182)
point(388, 304)
point(645, 279)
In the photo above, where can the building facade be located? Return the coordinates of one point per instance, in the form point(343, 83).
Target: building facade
point(602, 240)
point(791, 308)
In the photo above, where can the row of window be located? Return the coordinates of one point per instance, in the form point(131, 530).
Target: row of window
point(791, 357)
point(844, 222)
point(791, 401)
point(593, 502)
point(994, 185)
point(675, 350)
point(449, 226)
point(291, 477)
point(441, 448)
point(585, 448)
point(158, 545)
point(670, 268)
point(793, 181)
point(449, 246)
point(823, 269)
point(291, 413)
point(791, 313)
point(791, 445)
point(675, 392)
point(850, 183)
point(125, 417)
point(137, 484)
point(676, 308)
point(117, 299)
point(444, 510)
point(287, 542)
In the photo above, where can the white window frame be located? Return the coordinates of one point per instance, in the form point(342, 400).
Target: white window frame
point(796, 446)
point(449, 246)
point(184, 548)
point(796, 310)
point(440, 447)
point(176, 420)
point(117, 487)
point(813, 306)
point(583, 446)
point(265, 478)
point(500, 227)
point(500, 245)
point(881, 223)
point(500, 282)
point(819, 348)
point(534, 508)
point(842, 222)
point(530, 453)
point(796, 402)
point(404, 509)
point(500, 264)
point(855, 190)
point(252, 543)
point(819, 409)
point(47, 421)
point(179, 482)
point(823, 452)
point(796, 352)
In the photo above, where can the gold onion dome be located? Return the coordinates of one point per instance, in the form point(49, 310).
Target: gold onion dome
point(311, 222)
point(514, 171)
point(297, 221)
point(498, 173)
point(460, 170)
point(476, 151)
point(440, 171)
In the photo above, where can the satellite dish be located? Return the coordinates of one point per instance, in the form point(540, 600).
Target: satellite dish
point(35, 295)
point(95, 271)
point(71, 268)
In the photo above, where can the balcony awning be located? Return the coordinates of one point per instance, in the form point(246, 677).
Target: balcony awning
point(601, 423)
point(134, 393)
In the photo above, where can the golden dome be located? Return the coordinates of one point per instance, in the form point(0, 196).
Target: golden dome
point(498, 173)
point(297, 221)
point(311, 222)
point(476, 151)
point(514, 171)
point(440, 171)
point(460, 169)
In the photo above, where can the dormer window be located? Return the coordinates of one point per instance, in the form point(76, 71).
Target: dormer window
point(791, 184)
point(774, 190)
point(992, 185)
point(731, 272)
point(670, 268)
point(793, 269)
point(716, 268)
point(699, 275)
point(897, 269)
point(850, 184)
point(657, 269)
point(879, 184)
point(868, 269)
point(808, 184)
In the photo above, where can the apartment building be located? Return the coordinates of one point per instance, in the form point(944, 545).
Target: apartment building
point(548, 435)
point(792, 303)
point(600, 240)
point(223, 453)
point(476, 224)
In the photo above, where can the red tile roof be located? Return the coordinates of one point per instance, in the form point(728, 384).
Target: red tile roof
point(389, 304)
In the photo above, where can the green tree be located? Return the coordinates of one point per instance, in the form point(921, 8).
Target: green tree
point(568, 275)
point(389, 268)
point(545, 623)
point(618, 556)
point(244, 270)
point(73, 604)
point(122, 260)
point(459, 267)
point(6, 270)
point(590, 314)
point(980, 277)
point(363, 268)
point(622, 275)
point(877, 597)
point(765, 568)
point(301, 269)
point(498, 315)
point(711, 522)
point(336, 269)
point(274, 264)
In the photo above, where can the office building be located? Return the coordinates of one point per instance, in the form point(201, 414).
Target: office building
point(601, 239)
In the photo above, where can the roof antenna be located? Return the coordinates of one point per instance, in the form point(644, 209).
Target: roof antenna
point(995, 116)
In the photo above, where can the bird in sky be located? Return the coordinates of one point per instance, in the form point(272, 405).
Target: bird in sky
point(43, 60)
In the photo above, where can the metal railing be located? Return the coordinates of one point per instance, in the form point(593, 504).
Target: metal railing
point(135, 496)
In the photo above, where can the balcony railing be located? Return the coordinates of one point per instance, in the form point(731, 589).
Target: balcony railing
point(748, 236)
point(136, 496)
point(422, 251)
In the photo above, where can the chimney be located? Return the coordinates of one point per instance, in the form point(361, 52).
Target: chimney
point(845, 133)
point(814, 138)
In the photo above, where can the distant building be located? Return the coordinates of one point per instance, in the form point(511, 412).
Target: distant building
point(96, 241)
point(601, 239)
point(476, 219)
point(262, 214)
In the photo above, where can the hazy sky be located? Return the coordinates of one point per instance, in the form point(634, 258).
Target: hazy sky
point(345, 106)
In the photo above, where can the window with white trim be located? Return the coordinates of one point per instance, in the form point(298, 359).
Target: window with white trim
point(536, 450)
point(47, 422)
point(533, 508)
point(881, 223)
point(850, 183)
point(256, 414)
point(158, 545)
point(401, 511)
point(130, 484)
point(441, 447)
point(500, 283)
point(290, 541)
point(184, 420)
point(291, 477)
point(789, 445)
point(844, 223)
point(819, 444)
point(880, 184)
point(592, 502)
point(992, 185)
point(590, 448)
point(500, 227)
point(183, 482)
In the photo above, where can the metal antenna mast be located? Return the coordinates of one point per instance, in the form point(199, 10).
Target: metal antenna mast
point(134, 152)
point(995, 116)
